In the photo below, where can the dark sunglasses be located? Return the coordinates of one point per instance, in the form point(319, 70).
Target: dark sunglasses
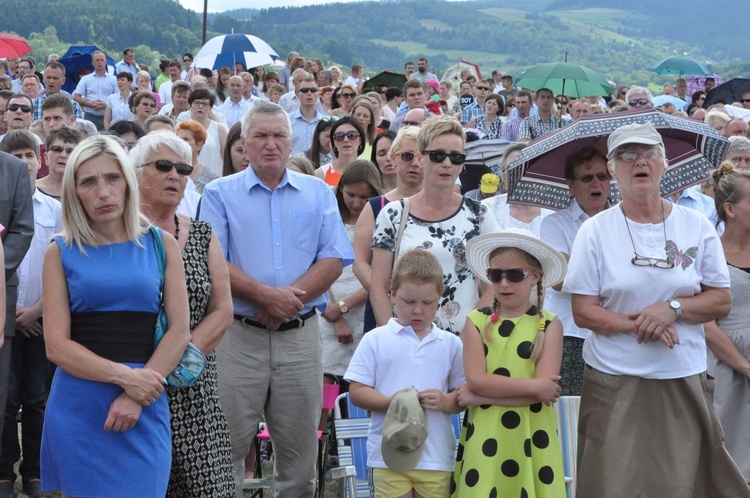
point(339, 136)
point(513, 275)
point(438, 156)
point(329, 118)
point(635, 102)
point(510, 105)
point(147, 104)
point(348, 95)
point(187, 60)
point(24, 108)
point(308, 90)
point(60, 148)
point(744, 101)
point(166, 166)
point(483, 88)
point(407, 157)
point(602, 177)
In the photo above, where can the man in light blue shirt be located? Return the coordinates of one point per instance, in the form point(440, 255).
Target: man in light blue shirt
point(235, 106)
point(93, 89)
point(285, 244)
point(306, 118)
point(127, 64)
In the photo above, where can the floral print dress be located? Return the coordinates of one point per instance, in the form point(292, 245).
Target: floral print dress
point(446, 239)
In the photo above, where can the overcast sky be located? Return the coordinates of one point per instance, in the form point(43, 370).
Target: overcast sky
point(222, 5)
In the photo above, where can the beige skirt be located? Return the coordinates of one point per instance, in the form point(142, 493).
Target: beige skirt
point(652, 438)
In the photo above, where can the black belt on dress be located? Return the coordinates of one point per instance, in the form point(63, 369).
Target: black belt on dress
point(120, 336)
point(297, 323)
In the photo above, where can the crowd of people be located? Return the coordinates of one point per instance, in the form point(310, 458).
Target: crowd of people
point(314, 231)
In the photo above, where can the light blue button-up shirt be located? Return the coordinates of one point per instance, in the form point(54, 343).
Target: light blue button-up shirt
point(303, 130)
point(275, 236)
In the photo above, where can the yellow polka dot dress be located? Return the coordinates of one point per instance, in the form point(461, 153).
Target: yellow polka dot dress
point(509, 452)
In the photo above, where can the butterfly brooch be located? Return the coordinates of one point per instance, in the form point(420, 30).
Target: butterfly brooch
point(680, 258)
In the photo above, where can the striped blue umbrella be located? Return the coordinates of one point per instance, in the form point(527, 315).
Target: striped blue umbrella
point(226, 50)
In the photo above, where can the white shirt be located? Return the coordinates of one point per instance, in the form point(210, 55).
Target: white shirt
point(190, 200)
point(498, 206)
point(119, 108)
point(391, 358)
point(47, 222)
point(235, 110)
point(600, 265)
point(220, 117)
point(165, 92)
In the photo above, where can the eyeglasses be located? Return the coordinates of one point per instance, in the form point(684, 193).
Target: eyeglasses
point(308, 90)
point(148, 104)
point(513, 275)
point(563, 102)
point(339, 136)
point(602, 177)
point(348, 95)
point(630, 157)
point(166, 166)
point(201, 103)
point(485, 88)
point(59, 149)
point(438, 156)
point(24, 108)
point(187, 60)
point(655, 262)
point(407, 157)
point(636, 102)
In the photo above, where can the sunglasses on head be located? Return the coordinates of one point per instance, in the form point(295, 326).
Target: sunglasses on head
point(635, 102)
point(24, 108)
point(339, 136)
point(329, 118)
point(602, 177)
point(165, 166)
point(438, 156)
point(513, 275)
point(60, 148)
point(308, 90)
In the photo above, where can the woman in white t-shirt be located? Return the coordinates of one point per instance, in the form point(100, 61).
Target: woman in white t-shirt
point(644, 276)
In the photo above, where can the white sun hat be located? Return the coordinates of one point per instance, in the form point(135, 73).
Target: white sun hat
point(479, 248)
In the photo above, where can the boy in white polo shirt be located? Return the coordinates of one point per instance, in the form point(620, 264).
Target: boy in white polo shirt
point(411, 351)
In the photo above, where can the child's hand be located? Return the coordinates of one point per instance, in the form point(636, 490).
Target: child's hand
point(547, 389)
point(432, 399)
point(466, 397)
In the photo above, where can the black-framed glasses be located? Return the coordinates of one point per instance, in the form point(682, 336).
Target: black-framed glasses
point(339, 136)
point(308, 90)
point(513, 275)
point(744, 101)
point(187, 60)
point(59, 149)
point(165, 166)
point(438, 156)
point(407, 157)
point(485, 88)
point(24, 108)
point(630, 157)
point(636, 102)
point(602, 177)
point(202, 103)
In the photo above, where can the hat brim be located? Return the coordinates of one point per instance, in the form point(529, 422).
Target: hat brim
point(399, 461)
point(479, 248)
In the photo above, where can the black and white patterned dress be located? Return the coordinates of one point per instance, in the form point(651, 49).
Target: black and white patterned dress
point(201, 450)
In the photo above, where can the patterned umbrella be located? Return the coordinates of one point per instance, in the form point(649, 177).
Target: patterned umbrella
point(13, 46)
point(226, 50)
point(537, 176)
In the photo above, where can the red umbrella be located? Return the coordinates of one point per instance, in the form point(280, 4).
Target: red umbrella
point(13, 46)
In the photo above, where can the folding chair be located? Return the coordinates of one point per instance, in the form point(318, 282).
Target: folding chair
point(566, 409)
point(351, 434)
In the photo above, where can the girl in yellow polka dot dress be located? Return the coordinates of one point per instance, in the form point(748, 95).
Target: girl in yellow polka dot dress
point(512, 353)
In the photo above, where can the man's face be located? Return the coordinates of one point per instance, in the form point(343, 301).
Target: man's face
point(180, 101)
point(639, 101)
point(579, 109)
point(307, 93)
point(186, 61)
point(740, 158)
point(20, 117)
point(523, 105)
point(53, 80)
point(414, 117)
point(736, 128)
point(235, 86)
point(129, 58)
point(30, 88)
point(422, 66)
point(544, 101)
point(99, 61)
point(668, 90)
point(267, 145)
point(465, 88)
point(481, 90)
point(174, 73)
point(55, 118)
point(409, 68)
point(24, 67)
point(31, 158)
point(709, 84)
point(415, 98)
point(681, 88)
point(507, 84)
point(745, 100)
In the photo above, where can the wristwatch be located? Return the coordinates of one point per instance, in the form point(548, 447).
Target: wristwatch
point(345, 309)
point(675, 305)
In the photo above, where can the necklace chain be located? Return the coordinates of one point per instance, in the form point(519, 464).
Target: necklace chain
point(450, 206)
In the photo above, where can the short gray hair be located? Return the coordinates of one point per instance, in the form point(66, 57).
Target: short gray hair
point(149, 144)
point(264, 108)
point(639, 90)
point(738, 144)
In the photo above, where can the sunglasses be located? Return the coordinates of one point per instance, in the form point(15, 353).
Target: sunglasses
point(187, 60)
point(407, 157)
point(147, 104)
point(630, 157)
point(308, 90)
point(165, 166)
point(635, 102)
point(624, 92)
point(512, 275)
point(329, 118)
point(438, 156)
point(339, 136)
point(59, 149)
point(744, 101)
point(602, 177)
point(348, 95)
point(24, 108)
point(485, 88)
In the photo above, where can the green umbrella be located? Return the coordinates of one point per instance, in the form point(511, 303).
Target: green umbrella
point(564, 78)
point(680, 65)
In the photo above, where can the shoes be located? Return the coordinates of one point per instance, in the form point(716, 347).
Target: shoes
point(33, 488)
point(6, 489)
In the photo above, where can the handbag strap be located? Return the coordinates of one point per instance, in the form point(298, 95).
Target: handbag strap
point(161, 259)
point(400, 233)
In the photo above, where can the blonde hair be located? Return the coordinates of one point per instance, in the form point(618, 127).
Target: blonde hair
point(417, 265)
point(534, 264)
point(405, 133)
point(442, 125)
point(76, 226)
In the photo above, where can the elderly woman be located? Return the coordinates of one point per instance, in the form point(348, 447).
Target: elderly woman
point(195, 135)
point(347, 142)
point(588, 179)
point(144, 106)
point(438, 219)
point(647, 426)
point(201, 101)
point(201, 451)
point(143, 82)
point(106, 398)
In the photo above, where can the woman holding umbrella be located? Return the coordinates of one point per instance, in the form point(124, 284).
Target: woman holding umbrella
point(647, 426)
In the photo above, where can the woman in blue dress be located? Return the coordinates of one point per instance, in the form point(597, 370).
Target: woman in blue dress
point(106, 431)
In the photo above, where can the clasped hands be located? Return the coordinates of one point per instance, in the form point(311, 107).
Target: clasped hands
point(281, 305)
point(142, 387)
point(655, 323)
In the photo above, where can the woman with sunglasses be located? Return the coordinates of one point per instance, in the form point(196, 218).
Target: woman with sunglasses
point(345, 96)
point(201, 101)
point(438, 219)
point(588, 179)
point(195, 136)
point(347, 143)
point(107, 416)
point(644, 276)
point(144, 106)
point(201, 457)
point(699, 98)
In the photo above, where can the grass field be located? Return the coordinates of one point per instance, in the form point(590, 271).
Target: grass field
point(486, 59)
